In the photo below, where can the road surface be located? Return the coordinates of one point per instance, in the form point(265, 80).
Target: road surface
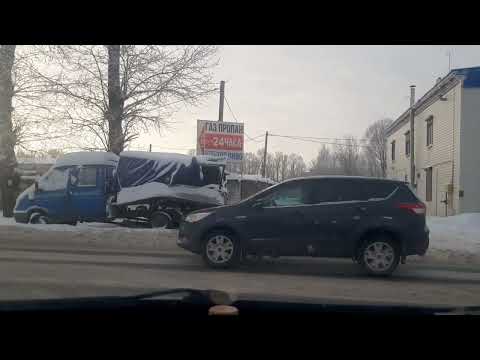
point(59, 266)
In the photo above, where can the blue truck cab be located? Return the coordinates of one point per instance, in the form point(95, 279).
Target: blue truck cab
point(76, 188)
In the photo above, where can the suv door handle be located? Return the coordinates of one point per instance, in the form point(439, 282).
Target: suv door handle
point(298, 214)
point(362, 208)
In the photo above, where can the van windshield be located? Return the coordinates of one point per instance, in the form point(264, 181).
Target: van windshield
point(54, 179)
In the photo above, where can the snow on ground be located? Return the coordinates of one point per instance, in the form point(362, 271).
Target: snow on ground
point(455, 237)
point(87, 235)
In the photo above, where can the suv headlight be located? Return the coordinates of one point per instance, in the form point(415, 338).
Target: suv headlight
point(196, 217)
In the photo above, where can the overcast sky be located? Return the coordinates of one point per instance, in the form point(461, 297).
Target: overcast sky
point(321, 91)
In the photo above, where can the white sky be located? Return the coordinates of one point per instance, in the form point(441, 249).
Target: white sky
point(321, 91)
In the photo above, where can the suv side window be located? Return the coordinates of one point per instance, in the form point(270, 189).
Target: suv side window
point(348, 190)
point(323, 191)
point(290, 195)
point(377, 189)
point(336, 190)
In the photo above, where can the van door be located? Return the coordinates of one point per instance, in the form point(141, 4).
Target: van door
point(87, 196)
point(51, 195)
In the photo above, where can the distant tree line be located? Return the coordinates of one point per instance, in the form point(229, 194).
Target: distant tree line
point(351, 157)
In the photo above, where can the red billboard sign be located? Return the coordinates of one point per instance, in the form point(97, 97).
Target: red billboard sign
point(223, 139)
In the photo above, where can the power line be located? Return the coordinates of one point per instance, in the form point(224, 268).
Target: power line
point(236, 120)
point(320, 142)
point(230, 109)
point(319, 138)
point(255, 137)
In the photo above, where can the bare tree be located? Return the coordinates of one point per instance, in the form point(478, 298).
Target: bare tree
point(37, 125)
point(296, 166)
point(324, 163)
point(284, 167)
point(8, 161)
point(347, 155)
point(251, 163)
point(111, 94)
point(277, 165)
point(376, 153)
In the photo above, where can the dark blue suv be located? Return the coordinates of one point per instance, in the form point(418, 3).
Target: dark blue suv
point(376, 222)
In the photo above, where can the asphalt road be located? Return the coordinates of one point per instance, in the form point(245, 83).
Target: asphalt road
point(31, 269)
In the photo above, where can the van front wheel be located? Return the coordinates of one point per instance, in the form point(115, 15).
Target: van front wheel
point(39, 218)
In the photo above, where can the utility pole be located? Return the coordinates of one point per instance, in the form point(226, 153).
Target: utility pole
point(412, 135)
point(222, 98)
point(150, 148)
point(264, 165)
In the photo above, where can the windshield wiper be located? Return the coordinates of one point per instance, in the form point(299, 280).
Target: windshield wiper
point(466, 310)
point(192, 295)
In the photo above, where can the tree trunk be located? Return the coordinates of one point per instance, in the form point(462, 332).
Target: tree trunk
point(7, 138)
point(115, 101)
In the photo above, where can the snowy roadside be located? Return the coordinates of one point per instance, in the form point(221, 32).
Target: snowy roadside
point(454, 239)
point(91, 235)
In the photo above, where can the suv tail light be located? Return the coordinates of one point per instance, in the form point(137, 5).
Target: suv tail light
point(416, 208)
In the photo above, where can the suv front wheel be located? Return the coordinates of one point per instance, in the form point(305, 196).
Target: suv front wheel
point(221, 249)
point(379, 255)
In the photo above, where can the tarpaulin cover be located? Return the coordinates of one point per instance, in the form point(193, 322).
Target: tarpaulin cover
point(138, 168)
point(146, 175)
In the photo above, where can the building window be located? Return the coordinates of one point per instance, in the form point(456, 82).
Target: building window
point(393, 150)
point(407, 143)
point(428, 189)
point(430, 131)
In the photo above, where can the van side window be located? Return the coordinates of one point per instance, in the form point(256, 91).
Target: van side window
point(87, 176)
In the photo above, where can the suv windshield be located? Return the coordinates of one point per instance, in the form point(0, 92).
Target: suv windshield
point(289, 171)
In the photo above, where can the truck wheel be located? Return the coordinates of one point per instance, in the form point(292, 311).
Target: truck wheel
point(38, 218)
point(221, 249)
point(379, 256)
point(161, 220)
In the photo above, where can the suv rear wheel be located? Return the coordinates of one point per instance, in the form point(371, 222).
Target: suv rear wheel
point(379, 255)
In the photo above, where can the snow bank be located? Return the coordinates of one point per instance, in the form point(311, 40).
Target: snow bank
point(211, 160)
point(158, 156)
point(88, 158)
point(455, 236)
point(208, 194)
point(249, 177)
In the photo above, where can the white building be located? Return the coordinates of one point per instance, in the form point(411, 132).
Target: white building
point(447, 139)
